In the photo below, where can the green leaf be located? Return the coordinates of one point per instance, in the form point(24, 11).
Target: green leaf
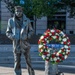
point(40, 54)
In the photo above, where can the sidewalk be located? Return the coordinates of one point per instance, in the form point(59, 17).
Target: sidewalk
point(10, 71)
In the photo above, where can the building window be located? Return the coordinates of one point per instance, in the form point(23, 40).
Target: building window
point(58, 21)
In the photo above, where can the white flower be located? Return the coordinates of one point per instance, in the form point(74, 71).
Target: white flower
point(47, 41)
point(59, 51)
point(64, 39)
point(58, 58)
point(41, 37)
point(65, 56)
point(67, 51)
point(51, 59)
point(56, 34)
point(54, 37)
point(43, 56)
point(55, 59)
point(61, 33)
point(40, 46)
point(65, 46)
point(60, 38)
point(57, 54)
point(48, 51)
point(48, 55)
point(61, 42)
point(52, 30)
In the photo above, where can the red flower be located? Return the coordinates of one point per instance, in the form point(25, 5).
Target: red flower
point(68, 44)
point(64, 42)
point(68, 48)
point(45, 53)
point(68, 53)
point(62, 58)
point(58, 61)
point(53, 33)
point(47, 60)
point(44, 41)
point(53, 55)
point(57, 37)
point(60, 55)
point(57, 31)
point(48, 30)
point(62, 50)
point(47, 35)
point(39, 42)
point(68, 40)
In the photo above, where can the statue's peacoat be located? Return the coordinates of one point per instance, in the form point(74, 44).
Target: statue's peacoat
point(19, 35)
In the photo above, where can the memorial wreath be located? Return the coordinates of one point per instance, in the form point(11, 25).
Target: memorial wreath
point(46, 52)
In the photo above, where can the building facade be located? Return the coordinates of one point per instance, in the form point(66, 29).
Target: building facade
point(5, 15)
point(60, 21)
point(0, 16)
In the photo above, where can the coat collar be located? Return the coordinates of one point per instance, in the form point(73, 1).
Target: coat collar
point(24, 18)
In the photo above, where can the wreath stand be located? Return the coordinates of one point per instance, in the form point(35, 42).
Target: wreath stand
point(48, 53)
point(52, 69)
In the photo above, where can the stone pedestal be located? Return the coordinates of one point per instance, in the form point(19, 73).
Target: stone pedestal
point(51, 69)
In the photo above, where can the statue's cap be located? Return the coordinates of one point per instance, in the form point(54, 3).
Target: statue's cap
point(18, 7)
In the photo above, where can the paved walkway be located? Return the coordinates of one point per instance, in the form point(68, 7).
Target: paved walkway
point(9, 71)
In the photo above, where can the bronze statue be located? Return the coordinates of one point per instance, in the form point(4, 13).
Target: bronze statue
point(19, 30)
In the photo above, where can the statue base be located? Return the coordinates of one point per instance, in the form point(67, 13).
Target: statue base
point(52, 69)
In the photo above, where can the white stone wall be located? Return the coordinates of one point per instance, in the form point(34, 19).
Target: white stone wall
point(41, 25)
point(5, 15)
point(70, 24)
